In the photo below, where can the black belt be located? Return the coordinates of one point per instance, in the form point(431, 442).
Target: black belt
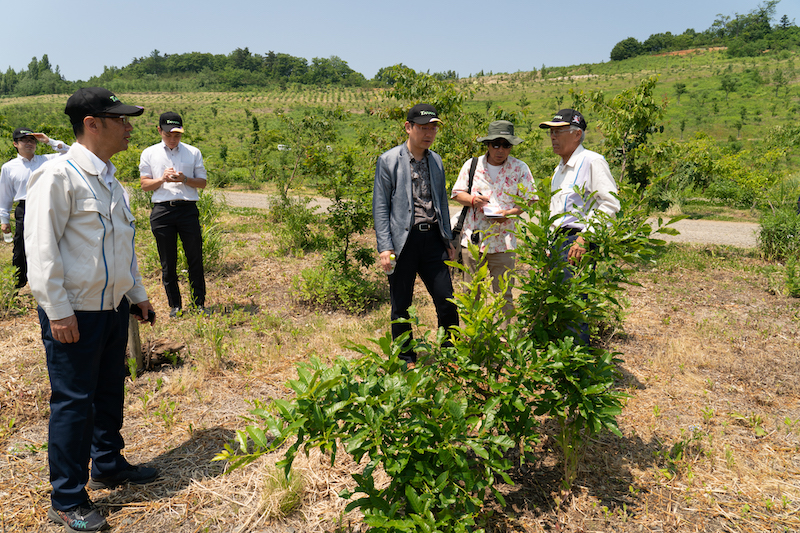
point(566, 230)
point(426, 226)
point(175, 203)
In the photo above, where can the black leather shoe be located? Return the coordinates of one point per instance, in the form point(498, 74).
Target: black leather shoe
point(78, 519)
point(137, 475)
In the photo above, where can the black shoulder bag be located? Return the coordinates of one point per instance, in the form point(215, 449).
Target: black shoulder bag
point(460, 224)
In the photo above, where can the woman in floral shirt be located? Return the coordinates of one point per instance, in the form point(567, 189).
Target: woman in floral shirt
point(499, 182)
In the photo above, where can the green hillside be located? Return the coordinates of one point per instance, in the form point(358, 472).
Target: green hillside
point(728, 132)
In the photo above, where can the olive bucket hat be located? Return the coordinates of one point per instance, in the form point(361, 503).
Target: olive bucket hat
point(501, 129)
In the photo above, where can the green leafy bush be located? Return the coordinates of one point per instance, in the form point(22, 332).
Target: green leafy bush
point(9, 294)
point(442, 431)
point(442, 450)
point(343, 281)
point(578, 380)
point(779, 237)
point(330, 288)
point(293, 220)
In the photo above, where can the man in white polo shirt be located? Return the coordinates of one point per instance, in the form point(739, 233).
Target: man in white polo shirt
point(14, 187)
point(174, 171)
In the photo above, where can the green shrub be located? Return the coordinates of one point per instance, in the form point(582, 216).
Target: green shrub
point(441, 431)
point(9, 294)
point(792, 274)
point(779, 237)
point(443, 451)
point(330, 288)
point(220, 178)
point(578, 380)
point(292, 220)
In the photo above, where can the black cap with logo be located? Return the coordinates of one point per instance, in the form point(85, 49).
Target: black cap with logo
point(565, 117)
point(170, 121)
point(422, 114)
point(20, 133)
point(93, 101)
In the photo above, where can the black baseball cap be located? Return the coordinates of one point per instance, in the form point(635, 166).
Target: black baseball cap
point(565, 117)
point(20, 133)
point(170, 121)
point(92, 101)
point(422, 114)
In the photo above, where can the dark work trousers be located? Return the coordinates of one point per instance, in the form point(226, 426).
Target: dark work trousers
point(582, 328)
point(170, 220)
point(18, 255)
point(87, 381)
point(424, 253)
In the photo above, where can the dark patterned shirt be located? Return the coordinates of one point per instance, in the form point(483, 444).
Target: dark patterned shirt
point(421, 190)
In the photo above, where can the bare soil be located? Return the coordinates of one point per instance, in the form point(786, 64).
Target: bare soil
point(711, 430)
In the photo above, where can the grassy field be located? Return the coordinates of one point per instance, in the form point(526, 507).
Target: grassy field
point(215, 120)
point(711, 431)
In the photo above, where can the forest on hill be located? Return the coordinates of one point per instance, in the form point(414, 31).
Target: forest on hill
point(744, 35)
point(748, 35)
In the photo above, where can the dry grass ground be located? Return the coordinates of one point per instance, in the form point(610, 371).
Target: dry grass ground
point(711, 429)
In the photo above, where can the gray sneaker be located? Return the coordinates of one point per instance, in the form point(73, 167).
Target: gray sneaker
point(135, 475)
point(78, 519)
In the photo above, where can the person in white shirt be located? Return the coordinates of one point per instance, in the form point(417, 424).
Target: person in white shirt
point(498, 183)
point(14, 177)
point(174, 171)
point(82, 268)
point(596, 189)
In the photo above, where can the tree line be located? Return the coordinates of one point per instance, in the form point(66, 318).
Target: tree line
point(744, 36)
point(198, 71)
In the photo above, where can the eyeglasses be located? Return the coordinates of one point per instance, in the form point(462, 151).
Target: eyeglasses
point(498, 146)
point(124, 118)
point(559, 131)
point(31, 140)
point(429, 128)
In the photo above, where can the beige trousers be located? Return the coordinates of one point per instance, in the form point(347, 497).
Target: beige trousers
point(498, 264)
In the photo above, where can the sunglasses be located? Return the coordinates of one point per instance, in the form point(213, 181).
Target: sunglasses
point(498, 145)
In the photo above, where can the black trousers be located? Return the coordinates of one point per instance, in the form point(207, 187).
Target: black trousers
point(424, 254)
point(87, 382)
point(18, 254)
point(580, 329)
point(170, 220)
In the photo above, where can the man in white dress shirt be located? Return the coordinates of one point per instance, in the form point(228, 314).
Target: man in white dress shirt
point(14, 188)
point(174, 171)
point(582, 187)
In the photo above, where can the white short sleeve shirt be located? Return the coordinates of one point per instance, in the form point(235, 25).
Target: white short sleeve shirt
point(184, 158)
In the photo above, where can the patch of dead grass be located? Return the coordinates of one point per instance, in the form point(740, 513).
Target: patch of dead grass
point(705, 353)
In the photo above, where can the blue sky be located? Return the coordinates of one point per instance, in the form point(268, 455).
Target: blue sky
point(434, 35)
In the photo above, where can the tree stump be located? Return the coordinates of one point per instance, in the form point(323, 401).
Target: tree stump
point(135, 343)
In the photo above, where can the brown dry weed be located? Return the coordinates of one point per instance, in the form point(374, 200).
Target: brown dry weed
point(711, 429)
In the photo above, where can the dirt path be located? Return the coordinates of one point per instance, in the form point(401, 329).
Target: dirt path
point(739, 234)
